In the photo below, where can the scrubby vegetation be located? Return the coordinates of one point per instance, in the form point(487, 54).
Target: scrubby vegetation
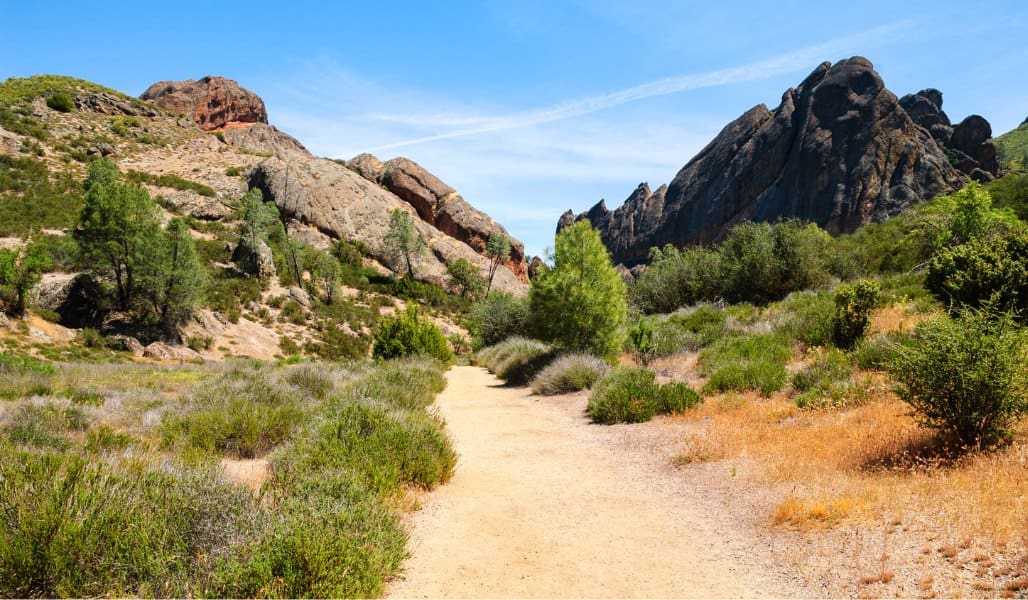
point(105, 499)
point(632, 395)
point(569, 373)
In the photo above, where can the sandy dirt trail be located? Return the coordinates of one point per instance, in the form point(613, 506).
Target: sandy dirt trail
point(541, 506)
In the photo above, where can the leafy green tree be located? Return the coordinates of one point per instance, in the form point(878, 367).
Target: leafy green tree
point(580, 303)
point(173, 280)
point(465, 279)
point(497, 249)
point(21, 270)
point(259, 223)
point(403, 240)
point(117, 228)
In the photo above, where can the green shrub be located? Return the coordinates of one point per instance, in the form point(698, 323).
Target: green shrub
point(807, 317)
point(199, 342)
point(496, 318)
point(521, 367)
point(406, 334)
point(493, 356)
point(640, 340)
point(688, 331)
point(676, 397)
point(23, 376)
point(985, 273)
point(80, 528)
point(43, 425)
point(171, 180)
point(676, 278)
point(763, 262)
point(61, 102)
point(288, 346)
point(410, 384)
point(238, 418)
point(102, 438)
point(853, 305)
point(318, 547)
point(754, 362)
point(877, 352)
point(313, 379)
point(569, 373)
point(625, 395)
point(965, 376)
point(382, 447)
point(234, 171)
point(823, 382)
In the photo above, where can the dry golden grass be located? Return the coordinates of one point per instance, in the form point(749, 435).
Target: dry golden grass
point(895, 317)
point(870, 460)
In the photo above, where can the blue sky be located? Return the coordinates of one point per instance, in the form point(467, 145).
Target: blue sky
point(527, 107)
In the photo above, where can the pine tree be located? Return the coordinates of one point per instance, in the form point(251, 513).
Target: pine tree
point(174, 279)
point(404, 241)
point(497, 249)
point(580, 303)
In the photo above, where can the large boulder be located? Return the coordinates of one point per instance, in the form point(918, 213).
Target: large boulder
point(439, 205)
point(839, 151)
point(340, 203)
point(925, 108)
point(73, 296)
point(973, 137)
point(212, 102)
point(262, 138)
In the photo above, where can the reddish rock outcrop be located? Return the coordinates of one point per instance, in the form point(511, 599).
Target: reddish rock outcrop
point(839, 151)
point(213, 102)
point(439, 205)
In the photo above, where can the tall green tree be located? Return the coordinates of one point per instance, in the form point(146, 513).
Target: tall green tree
point(117, 228)
point(403, 240)
point(20, 271)
point(173, 281)
point(259, 223)
point(497, 249)
point(464, 278)
point(580, 303)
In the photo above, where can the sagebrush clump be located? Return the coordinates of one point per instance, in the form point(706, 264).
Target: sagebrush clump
point(632, 395)
point(569, 373)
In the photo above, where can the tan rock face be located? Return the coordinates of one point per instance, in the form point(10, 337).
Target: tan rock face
point(340, 203)
point(213, 102)
point(439, 205)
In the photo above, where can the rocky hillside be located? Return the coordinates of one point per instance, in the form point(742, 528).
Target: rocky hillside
point(840, 150)
point(201, 131)
point(198, 147)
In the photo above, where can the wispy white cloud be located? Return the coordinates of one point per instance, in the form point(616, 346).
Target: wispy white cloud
point(761, 69)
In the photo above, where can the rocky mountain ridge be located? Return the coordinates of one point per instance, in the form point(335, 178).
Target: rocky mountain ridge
point(839, 150)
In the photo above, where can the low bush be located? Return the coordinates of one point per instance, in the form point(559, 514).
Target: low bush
point(754, 362)
point(823, 382)
point(80, 528)
point(853, 305)
point(676, 397)
point(807, 317)
point(965, 376)
point(61, 102)
point(625, 395)
point(406, 334)
point(492, 356)
point(519, 367)
point(569, 373)
point(410, 385)
point(986, 273)
point(243, 418)
point(877, 352)
point(43, 425)
point(321, 547)
point(498, 317)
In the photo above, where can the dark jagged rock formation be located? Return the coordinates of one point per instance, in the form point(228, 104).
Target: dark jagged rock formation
point(438, 205)
point(213, 102)
point(969, 145)
point(839, 150)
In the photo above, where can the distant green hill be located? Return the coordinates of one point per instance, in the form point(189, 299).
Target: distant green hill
point(1013, 146)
